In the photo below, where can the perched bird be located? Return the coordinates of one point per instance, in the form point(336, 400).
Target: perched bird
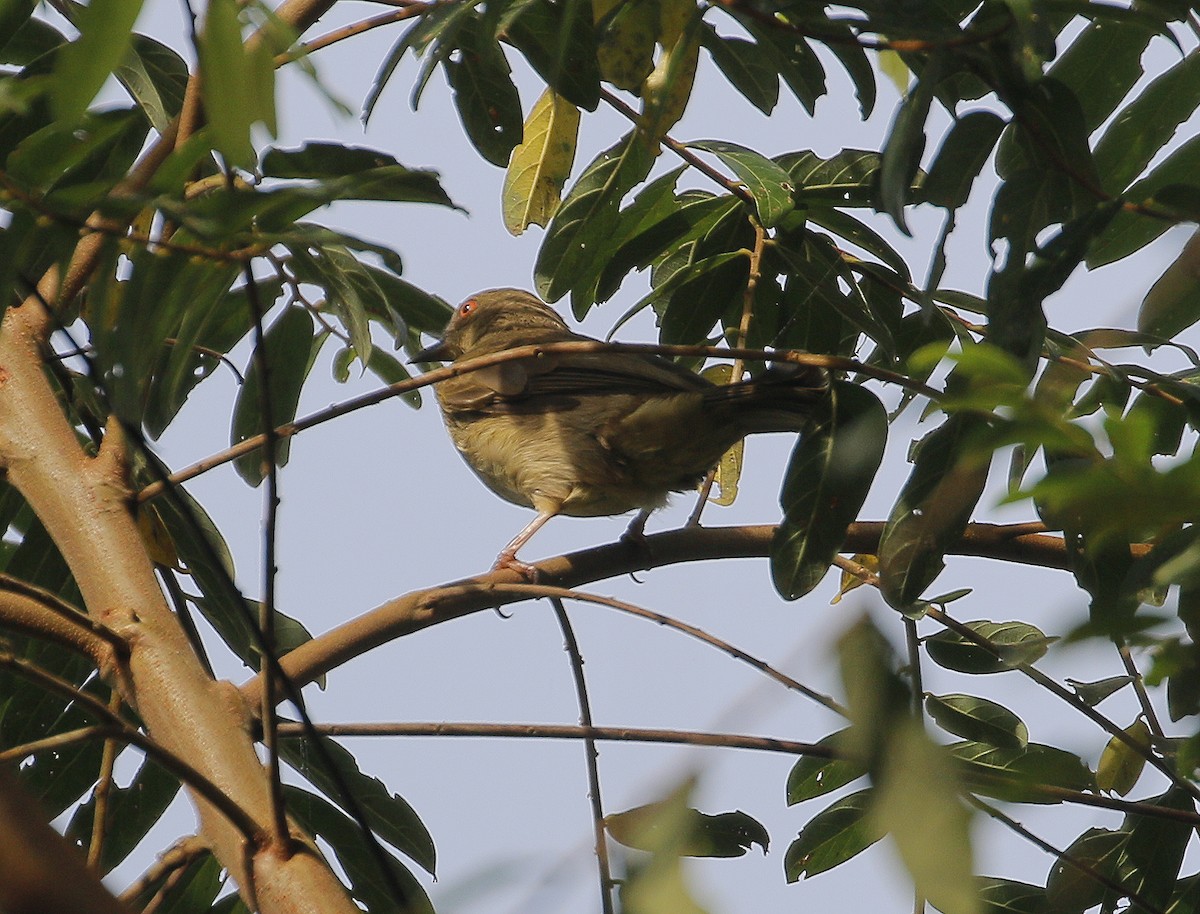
point(588, 434)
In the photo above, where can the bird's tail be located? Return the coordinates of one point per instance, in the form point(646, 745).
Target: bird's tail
point(781, 399)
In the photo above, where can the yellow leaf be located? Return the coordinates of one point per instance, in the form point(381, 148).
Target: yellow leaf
point(895, 69)
point(627, 30)
point(729, 470)
point(159, 545)
point(1120, 765)
point(850, 581)
point(669, 87)
point(540, 164)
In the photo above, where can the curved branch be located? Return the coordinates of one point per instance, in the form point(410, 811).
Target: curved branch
point(422, 608)
point(41, 614)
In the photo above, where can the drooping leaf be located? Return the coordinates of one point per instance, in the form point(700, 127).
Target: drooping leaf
point(627, 31)
point(1020, 775)
point(1101, 66)
point(934, 507)
point(961, 158)
point(389, 815)
point(830, 471)
point(487, 101)
point(905, 144)
point(588, 215)
point(105, 31)
point(1120, 765)
point(291, 348)
point(558, 40)
point(1100, 851)
point(689, 832)
point(838, 833)
point(917, 803)
point(1173, 302)
point(156, 78)
point(813, 776)
point(360, 862)
point(540, 164)
point(746, 67)
point(977, 719)
point(668, 88)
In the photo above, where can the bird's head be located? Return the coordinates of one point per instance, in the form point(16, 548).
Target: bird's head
point(493, 321)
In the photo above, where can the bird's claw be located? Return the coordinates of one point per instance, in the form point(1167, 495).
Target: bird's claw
point(509, 561)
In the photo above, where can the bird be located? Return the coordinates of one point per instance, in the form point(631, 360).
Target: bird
point(588, 434)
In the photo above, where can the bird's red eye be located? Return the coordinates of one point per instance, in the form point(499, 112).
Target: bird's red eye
point(467, 307)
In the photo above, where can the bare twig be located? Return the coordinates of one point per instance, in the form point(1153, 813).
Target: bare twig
point(1070, 860)
point(541, 590)
point(176, 857)
point(1139, 688)
point(103, 791)
point(266, 616)
point(592, 755)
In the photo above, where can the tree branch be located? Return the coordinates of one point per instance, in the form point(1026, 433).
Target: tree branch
point(422, 608)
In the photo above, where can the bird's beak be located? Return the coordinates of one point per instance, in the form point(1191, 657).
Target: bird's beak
point(438, 352)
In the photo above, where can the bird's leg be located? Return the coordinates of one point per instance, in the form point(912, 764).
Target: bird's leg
point(635, 534)
point(508, 555)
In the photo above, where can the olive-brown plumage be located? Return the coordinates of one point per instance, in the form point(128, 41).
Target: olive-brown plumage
point(587, 434)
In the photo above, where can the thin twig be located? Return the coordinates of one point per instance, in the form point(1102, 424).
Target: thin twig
point(266, 615)
point(739, 364)
point(1069, 859)
point(1139, 688)
point(1028, 670)
point(91, 705)
point(179, 855)
point(542, 590)
point(304, 48)
point(464, 729)
point(103, 791)
point(592, 754)
point(828, 362)
point(681, 150)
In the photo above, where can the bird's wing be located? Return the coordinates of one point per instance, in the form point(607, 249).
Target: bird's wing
point(559, 380)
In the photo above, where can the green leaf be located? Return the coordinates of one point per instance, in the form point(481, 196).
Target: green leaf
point(1129, 232)
point(540, 165)
point(1173, 302)
point(859, 233)
point(902, 151)
point(1101, 66)
point(852, 56)
point(1145, 125)
point(848, 178)
point(668, 89)
point(812, 776)
point(106, 29)
point(588, 216)
point(559, 42)
point(1017, 775)
point(746, 67)
point(357, 858)
point(828, 477)
point(1097, 849)
point(484, 94)
point(917, 803)
point(961, 158)
point(836, 834)
point(1156, 847)
point(192, 889)
point(1015, 644)
point(156, 77)
point(794, 59)
point(934, 507)
point(768, 183)
point(1092, 693)
point(977, 719)
point(133, 809)
point(387, 813)
point(291, 348)
point(1007, 896)
point(700, 293)
point(233, 101)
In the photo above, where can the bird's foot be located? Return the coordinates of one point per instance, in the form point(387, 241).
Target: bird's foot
point(635, 535)
point(509, 561)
